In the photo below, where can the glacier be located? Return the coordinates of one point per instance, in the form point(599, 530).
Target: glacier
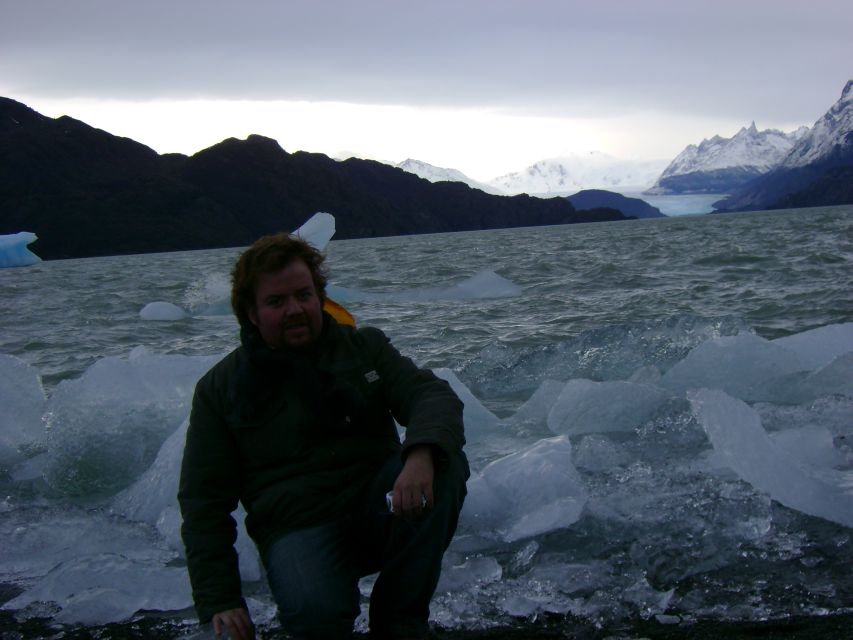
point(14, 251)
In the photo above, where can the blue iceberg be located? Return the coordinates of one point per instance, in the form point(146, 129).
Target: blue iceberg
point(14, 252)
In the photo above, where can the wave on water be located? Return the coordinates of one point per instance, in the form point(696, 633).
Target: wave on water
point(687, 468)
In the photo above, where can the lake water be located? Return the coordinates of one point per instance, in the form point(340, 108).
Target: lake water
point(658, 415)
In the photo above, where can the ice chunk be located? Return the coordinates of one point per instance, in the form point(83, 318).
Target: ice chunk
point(539, 405)
point(585, 406)
point(526, 493)
point(739, 440)
point(14, 252)
point(318, 229)
point(818, 347)
point(22, 398)
point(471, 573)
point(735, 364)
point(803, 386)
point(108, 587)
point(153, 499)
point(812, 445)
point(485, 284)
point(597, 453)
point(478, 419)
point(106, 427)
point(162, 311)
point(37, 539)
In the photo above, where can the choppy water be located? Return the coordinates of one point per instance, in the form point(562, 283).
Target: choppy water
point(579, 350)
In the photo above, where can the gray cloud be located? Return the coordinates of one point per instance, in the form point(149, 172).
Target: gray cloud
point(779, 60)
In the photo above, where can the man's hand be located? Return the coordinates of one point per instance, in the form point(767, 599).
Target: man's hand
point(237, 622)
point(413, 487)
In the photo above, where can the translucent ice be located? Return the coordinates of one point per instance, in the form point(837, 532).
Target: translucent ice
point(162, 311)
point(479, 421)
point(539, 405)
point(735, 364)
point(318, 229)
point(739, 439)
point(108, 587)
point(818, 347)
point(22, 398)
point(14, 251)
point(153, 499)
point(485, 284)
point(813, 445)
point(585, 406)
point(106, 427)
point(470, 573)
point(526, 493)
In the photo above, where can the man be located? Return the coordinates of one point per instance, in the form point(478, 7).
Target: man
point(298, 424)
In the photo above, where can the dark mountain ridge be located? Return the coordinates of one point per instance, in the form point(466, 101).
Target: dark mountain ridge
point(596, 198)
point(86, 192)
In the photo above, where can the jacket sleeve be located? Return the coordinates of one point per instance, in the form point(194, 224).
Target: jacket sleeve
point(420, 401)
point(208, 494)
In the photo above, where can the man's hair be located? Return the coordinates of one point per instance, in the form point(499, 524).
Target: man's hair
point(267, 255)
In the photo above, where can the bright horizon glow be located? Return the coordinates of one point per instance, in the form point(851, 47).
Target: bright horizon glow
point(482, 143)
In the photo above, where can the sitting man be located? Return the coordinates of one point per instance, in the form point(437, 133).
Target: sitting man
point(297, 423)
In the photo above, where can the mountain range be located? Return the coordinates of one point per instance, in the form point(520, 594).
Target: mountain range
point(86, 192)
point(766, 169)
point(561, 176)
point(722, 165)
point(817, 171)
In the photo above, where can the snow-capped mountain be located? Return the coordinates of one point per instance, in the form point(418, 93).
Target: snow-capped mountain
point(817, 171)
point(440, 174)
point(721, 165)
point(568, 174)
point(831, 135)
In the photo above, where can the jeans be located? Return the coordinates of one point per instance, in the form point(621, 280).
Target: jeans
point(313, 573)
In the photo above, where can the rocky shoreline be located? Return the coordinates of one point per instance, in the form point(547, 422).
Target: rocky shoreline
point(831, 627)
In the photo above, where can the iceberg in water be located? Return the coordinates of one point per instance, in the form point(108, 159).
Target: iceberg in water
point(482, 285)
point(318, 231)
point(14, 252)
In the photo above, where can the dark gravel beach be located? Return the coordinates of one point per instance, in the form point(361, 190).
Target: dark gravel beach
point(832, 627)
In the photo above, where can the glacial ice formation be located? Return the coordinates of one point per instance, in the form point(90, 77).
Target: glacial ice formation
point(740, 441)
point(648, 483)
point(318, 229)
point(14, 251)
point(22, 398)
point(527, 493)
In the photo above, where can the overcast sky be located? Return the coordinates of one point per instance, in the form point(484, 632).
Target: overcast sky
point(483, 86)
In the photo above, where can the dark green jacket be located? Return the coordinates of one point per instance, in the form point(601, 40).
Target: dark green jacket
point(296, 452)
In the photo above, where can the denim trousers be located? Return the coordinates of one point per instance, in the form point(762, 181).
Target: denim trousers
point(313, 573)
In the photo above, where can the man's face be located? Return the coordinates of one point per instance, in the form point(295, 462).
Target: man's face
point(288, 312)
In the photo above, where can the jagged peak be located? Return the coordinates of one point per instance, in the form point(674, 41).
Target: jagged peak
point(847, 93)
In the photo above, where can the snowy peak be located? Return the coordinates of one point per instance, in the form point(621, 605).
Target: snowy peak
point(722, 165)
point(440, 174)
point(569, 174)
point(831, 137)
point(749, 147)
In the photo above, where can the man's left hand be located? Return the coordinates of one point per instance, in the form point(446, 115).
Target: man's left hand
point(413, 488)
